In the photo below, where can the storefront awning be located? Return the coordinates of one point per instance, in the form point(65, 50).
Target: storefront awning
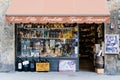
point(69, 11)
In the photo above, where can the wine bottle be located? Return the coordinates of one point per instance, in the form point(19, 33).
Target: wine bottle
point(19, 65)
point(32, 64)
point(39, 59)
point(26, 64)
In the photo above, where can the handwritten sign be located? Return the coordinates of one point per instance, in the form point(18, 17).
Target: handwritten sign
point(67, 65)
point(61, 19)
point(112, 43)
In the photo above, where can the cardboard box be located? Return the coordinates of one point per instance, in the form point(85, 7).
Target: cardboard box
point(43, 66)
point(97, 70)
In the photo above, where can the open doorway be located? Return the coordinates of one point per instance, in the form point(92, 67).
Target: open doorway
point(89, 35)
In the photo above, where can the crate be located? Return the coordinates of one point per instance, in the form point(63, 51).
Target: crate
point(98, 70)
point(42, 66)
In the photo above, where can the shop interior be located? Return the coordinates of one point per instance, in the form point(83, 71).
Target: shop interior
point(90, 34)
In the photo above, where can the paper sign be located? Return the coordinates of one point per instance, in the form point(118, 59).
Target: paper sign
point(112, 43)
point(67, 65)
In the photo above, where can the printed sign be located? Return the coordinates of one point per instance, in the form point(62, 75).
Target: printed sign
point(44, 66)
point(67, 65)
point(112, 43)
point(58, 19)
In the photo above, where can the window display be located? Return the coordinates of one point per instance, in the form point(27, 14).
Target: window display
point(47, 40)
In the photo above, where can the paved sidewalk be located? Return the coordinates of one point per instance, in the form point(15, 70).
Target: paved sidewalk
point(81, 75)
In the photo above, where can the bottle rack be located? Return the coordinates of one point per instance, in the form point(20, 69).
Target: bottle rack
point(90, 35)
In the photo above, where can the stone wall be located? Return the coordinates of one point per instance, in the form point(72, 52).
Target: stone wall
point(7, 48)
point(112, 62)
point(113, 4)
point(7, 55)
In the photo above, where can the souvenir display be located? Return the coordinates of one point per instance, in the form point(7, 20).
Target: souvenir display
point(47, 40)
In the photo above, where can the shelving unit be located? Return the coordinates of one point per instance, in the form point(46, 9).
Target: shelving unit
point(90, 34)
point(87, 39)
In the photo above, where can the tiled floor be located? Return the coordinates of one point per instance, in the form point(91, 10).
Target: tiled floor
point(86, 64)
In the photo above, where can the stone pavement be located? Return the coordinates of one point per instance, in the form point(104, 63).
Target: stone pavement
point(81, 75)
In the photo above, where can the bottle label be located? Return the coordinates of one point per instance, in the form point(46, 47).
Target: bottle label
point(19, 65)
point(25, 62)
point(76, 50)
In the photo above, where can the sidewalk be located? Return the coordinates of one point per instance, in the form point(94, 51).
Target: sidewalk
point(81, 75)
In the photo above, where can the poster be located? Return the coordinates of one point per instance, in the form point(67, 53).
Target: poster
point(112, 44)
point(67, 66)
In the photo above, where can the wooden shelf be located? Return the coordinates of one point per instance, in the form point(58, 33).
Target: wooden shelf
point(45, 38)
point(47, 28)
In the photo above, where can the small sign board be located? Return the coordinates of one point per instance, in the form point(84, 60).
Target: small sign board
point(42, 66)
point(67, 65)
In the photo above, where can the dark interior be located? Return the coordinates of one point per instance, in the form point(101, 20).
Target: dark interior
point(89, 35)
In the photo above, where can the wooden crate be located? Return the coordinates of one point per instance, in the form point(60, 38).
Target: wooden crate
point(42, 66)
point(98, 70)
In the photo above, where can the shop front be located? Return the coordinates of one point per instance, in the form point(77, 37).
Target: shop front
point(48, 32)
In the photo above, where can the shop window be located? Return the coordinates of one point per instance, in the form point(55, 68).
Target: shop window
point(46, 40)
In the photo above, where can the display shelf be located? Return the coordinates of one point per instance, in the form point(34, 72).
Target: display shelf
point(89, 36)
point(54, 62)
point(48, 28)
point(29, 57)
point(90, 43)
point(47, 40)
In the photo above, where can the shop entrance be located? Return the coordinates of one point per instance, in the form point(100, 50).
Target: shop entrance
point(89, 36)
